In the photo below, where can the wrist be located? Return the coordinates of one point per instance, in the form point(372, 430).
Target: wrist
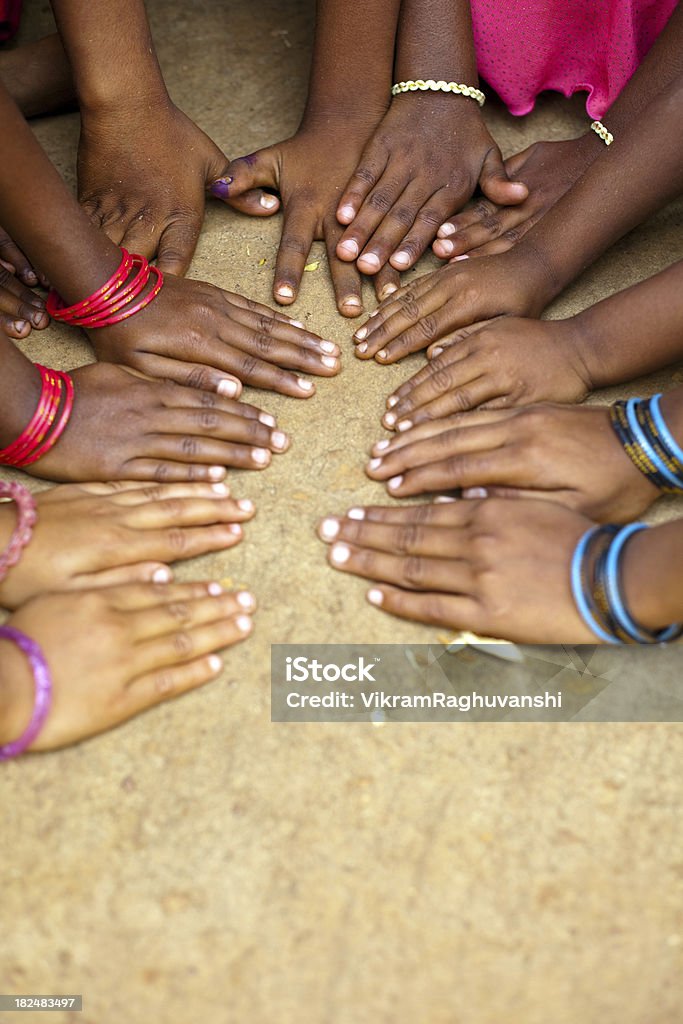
point(321, 117)
point(116, 101)
point(23, 404)
point(652, 574)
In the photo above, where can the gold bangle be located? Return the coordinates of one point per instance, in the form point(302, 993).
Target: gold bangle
point(431, 86)
point(600, 130)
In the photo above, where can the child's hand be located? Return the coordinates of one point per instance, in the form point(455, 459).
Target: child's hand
point(499, 568)
point(126, 427)
point(510, 361)
point(309, 171)
point(201, 336)
point(466, 292)
point(423, 163)
point(20, 308)
point(571, 456)
point(142, 178)
point(486, 227)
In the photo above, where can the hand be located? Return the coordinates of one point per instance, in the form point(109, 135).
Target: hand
point(310, 170)
point(101, 535)
point(20, 308)
point(432, 307)
point(13, 259)
point(142, 175)
point(114, 652)
point(201, 336)
point(423, 163)
point(126, 427)
point(570, 456)
point(508, 362)
point(487, 227)
point(498, 568)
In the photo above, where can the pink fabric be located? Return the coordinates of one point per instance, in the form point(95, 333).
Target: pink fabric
point(526, 46)
point(10, 12)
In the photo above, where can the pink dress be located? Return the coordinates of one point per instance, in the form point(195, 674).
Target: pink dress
point(526, 46)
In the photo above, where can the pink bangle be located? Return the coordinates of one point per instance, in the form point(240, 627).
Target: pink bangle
point(42, 700)
point(26, 520)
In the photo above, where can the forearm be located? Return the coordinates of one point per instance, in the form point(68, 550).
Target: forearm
point(653, 576)
point(435, 41)
point(633, 332)
point(111, 52)
point(353, 56)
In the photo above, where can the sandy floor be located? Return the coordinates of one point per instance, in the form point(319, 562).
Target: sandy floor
point(203, 865)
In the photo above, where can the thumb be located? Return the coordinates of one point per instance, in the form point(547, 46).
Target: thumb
point(237, 184)
point(496, 185)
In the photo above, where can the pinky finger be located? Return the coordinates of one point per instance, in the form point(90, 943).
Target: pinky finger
point(142, 572)
point(167, 683)
point(451, 611)
point(386, 282)
point(164, 471)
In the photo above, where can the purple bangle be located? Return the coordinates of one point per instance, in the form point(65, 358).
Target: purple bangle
point(42, 700)
point(26, 520)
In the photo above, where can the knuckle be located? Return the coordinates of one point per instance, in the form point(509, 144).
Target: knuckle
point(164, 682)
point(265, 324)
point(161, 472)
point(491, 225)
point(176, 539)
point(413, 572)
point(403, 215)
point(410, 307)
point(440, 381)
point(248, 365)
point(179, 611)
point(366, 175)
point(381, 200)
point(208, 420)
point(430, 218)
point(6, 277)
point(407, 538)
point(483, 209)
point(263, 344)
point(199, 378)
point(427, 327)
point(183, 644)
point(512, 235)
point(189, 446)
point(293, 243)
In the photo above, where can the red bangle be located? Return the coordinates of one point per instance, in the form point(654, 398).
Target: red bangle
point(58, 311)
point(115, 300)
point(42, 433)
point(60, 426)
point(152, 294)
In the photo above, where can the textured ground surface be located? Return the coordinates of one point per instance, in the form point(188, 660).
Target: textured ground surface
point(203, 865)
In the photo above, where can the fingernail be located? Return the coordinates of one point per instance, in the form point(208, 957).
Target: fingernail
point(352, 300)
point(38, 318)
point(278, 440)
point(30, 277)
point(361, 333)
point(402, 258)
point(221, 188)
point(475, 492)
point(436, 352)
point(327, 346)
point(456, 259)
point(404, 425)
point(285, 291)
point(349, 247)
point(216, 472)
point(395, 482)
point(381, 445)
point(266, 419)
point(246, 600)
point(390, 419)
point(245, 505)
point(446, 247)
point(340, 553)
point(392, 400)
point(228, 388)
point(388, 290)
point(371, 260)
point(375, 597)
point(215, 663)
point(347, 212)
point(296, 323)
point(382, 354)
point(374, 463)
point(268, 201)
point(20, 325)
point(235, 529)
point(163, 575)
point(363, 347)
point(444, 499)
point(329, 361)
point(329, 528)
point(305, 385)
point(221, 489)
point(215, 589)
point(260, 456)
point(445, 230)
point(374, 313)
point(356, 513)
point(243, 623)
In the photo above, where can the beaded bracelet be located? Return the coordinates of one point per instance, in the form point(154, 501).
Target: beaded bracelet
point(115, 300)
point(42, 432)
point(597, 587)
point(431, 86)
point(648, 442)
point(42, 700)
point(602, 132)
point(26, 520)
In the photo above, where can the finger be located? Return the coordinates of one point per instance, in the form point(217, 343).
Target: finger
point(264, 320)
point(361, 182)
point(463, 394)
point(431, 427)
point(399, 313)
point(178, 242)
point(135, 492)
point(157, 686)
point(167, 471)
point(387, 282)
point(389, 191)
point(423, 231)
point(455, 514)
point(16, 329)
point(274, 342)
point(186, 646)
point(420, 447)
point(11, 254)
point(509, 237)
point(413, 572)
point(495, 183)
point(174, 615)
point(407, 538)
point(180, 512)
point(503, 223)
point(451, 340)
point(194, 398)
point(430, 326)
point(17, 302)
point(141, 572)
point(459, 470)
point(142, 234)
point(448, 611)
point(346, 280)
point(137, 597)
point(298, 232)
point(198, 376)
point(242, 183)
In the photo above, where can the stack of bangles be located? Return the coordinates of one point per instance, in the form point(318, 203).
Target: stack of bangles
point(596, 573)
point(26, 518)
point(47, 423)
point(116, 300)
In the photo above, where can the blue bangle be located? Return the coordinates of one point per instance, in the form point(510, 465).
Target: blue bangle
point(613, 586)
point(644, 442)
point(664, 431)
point(577, 588)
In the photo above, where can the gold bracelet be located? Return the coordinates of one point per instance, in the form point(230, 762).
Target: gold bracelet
point(600, 130)
point(431, 86)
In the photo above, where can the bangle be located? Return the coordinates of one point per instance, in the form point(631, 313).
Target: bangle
point(648, 442)
point(597, 587)
point(26, 520)
point(600, 130)
point(115, 300)
point(42, 433)
point(431, 86)
point(42, 699)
